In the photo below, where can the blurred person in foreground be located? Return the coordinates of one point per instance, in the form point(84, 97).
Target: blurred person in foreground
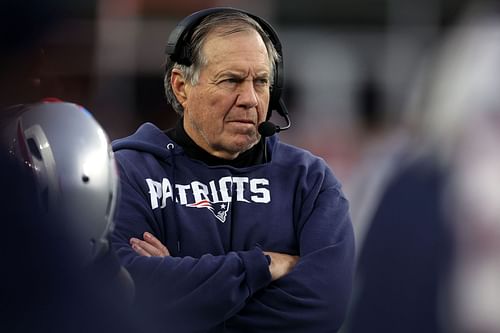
point(428, 259)
point(59, 186)
point(225, 228)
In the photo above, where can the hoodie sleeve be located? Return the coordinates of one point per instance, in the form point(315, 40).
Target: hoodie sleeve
point(314, 296)
point(182, 294)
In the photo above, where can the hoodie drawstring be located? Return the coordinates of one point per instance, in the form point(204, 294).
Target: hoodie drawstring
point(170, 146)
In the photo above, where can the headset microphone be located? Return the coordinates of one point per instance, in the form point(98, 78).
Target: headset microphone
point(268, 128)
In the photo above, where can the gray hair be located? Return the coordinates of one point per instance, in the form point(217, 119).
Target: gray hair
point(228, 23)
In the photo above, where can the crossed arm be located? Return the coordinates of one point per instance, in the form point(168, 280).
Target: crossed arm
point(281, 263)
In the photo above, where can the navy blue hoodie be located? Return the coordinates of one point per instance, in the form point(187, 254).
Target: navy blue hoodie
point(217, 220)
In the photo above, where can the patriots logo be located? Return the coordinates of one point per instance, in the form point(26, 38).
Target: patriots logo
point(219, 209)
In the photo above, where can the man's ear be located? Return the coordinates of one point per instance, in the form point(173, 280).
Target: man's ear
point(178, 83)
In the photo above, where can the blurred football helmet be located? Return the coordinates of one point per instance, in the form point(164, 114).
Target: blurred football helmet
point(73, 164)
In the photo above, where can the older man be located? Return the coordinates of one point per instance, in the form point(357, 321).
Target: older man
point(222, 228)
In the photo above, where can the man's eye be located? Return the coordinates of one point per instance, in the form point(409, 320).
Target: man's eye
point(229, 82)
point(262, 82)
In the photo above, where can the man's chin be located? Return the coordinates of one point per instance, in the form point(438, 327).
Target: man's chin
point(243, 145)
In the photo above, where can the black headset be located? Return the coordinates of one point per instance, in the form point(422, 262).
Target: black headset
point(179, 50)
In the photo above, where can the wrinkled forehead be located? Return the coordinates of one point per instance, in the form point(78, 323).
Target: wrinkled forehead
point(243, 46)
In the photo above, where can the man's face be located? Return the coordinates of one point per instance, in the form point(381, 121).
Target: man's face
point(222, 111)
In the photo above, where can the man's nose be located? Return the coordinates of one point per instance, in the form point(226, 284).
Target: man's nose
point(247, 95)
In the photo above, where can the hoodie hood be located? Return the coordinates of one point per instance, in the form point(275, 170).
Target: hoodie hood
point(149, 138)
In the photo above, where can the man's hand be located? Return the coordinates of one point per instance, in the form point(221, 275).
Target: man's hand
point(281, 264)
point(149, 247)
